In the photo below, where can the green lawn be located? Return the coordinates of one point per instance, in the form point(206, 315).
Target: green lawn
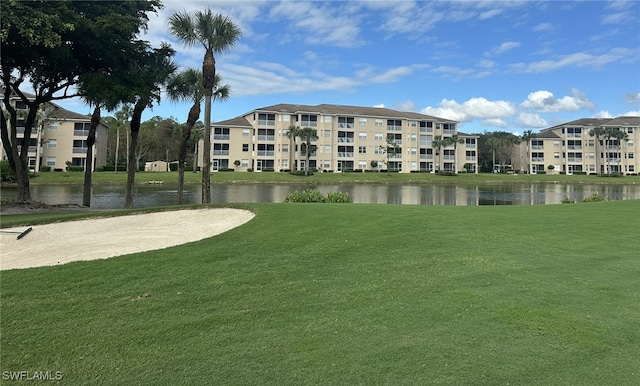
point(110, 178)
point(348, 294)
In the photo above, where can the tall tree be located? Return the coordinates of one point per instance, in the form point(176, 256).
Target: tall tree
point(437, 144)
point(187, 86)
point(292, 133)
point(527, 136)
point(51, 55)
point(307, 135)
point(216, 33)
point(152, 70)
point(454, 140)
point(122, 117)
point(597, 132)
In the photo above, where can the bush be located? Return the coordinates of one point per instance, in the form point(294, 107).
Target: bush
point(6, 172)
point(541, 172)
point(595, 197)
point(75, 168)
point(45, 168)
point(446, 173)
point(568, 201)
point(300, 172)
point(312, 195)
point(580, 173)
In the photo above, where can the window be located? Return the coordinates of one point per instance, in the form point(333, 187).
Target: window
point(81, 129)
point(285, 148)
point(413, 137)
point(413, 123)
point(378, 136)
point(285, 118)
point(556, 155)
point(266, 119)
point(394, 124)
point(362, 150)
point(246, 132)
point(363, 121)
point(52, 143)
point(362, 135)
point(326, 133)
point(379, 150)
point(221, 134)
point(53, 126)
point(591, 143)
point(245, 147)
point(537, 144)
point(345, 122)
point(244, 163)
point(326, 118)
point(309, 120)
point(629, 130)
point(591, 155)
point(378, 122)
point(556, 143)
point(51, 161)
point(412, 151)
point(362, 164)
point(630, 156)
point(327, 148)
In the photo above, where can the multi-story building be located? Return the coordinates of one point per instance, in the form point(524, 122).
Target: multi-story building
point(60, 136)
point(574, 147)
point(349, 138)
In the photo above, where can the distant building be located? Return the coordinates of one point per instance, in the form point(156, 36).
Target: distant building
point(570, 148)
point(60, 137)
point(349, 138)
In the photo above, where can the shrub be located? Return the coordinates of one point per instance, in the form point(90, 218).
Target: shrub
point(541, 172)
point(75, 168)
point(312, 195)
point(568, 201)
point(595, 197)
point(45, 168)
point(300, 172)
point(6, 172)
point(580, 173)
point(338, 197)
point(446, 173)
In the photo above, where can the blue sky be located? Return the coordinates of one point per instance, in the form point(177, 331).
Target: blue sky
point(491, 65)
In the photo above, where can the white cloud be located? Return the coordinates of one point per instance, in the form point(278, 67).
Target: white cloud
point(489, 14)
point(617, 18)
point(526, 119)
point(502, 48)
point(635, 113)
point(602, 114)
point(543, 27)
point(406, 106)
point(379, 105)
point(580, 59)
point(495, 122)
point(544, 101)
point(632, 98)
point(474, 108)
point(486, 63)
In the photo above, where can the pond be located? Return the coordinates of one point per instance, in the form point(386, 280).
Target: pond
point(112, 197)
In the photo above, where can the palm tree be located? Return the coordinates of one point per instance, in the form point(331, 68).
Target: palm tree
point(308, 134)
point(620, 136)
point(438, 143)
point(187, 86)
point(494, 143)
point(454, 140)
point(597, 132)
point(216, 33)
point(527, 136)
point(122, 118)
point(292, 133)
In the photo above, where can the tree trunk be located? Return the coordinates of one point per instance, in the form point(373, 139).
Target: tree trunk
point(208, 76)
point(91, 140)
point(115, 164)
point(194, 113)
point(131, 157)
point(306, 165)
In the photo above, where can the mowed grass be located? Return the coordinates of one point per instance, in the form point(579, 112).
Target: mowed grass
point(348, 294)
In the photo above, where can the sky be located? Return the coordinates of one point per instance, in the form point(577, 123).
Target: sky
point(490, 65)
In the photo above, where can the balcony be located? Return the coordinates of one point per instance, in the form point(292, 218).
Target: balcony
point(537, 159)
point(266, 137)
point(448, 131)
point(470, 158)
point(343, 125)
point(81, 133)
point(266, 122)
point(574, 159)
point(537, 147)
point(345, 139)
point(221, 152)
point(447, 157)
point(309, 123)
point(265, 153)
point(221, 137)
point(77, 150)
point(426, 156)
point(345, 154)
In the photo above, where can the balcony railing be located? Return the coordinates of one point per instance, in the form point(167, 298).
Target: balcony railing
point(266, 153)
point(81, 133)
point(345, 139)
point(309, 123)
point(221, 137)
point(79, 150)
point(426, 129)
point(266, 122)
point(448, 131)
point(394, 128)
point(574, 159)
point(266, 137)
point(470, 158)
point(537, 159)
point(221, 152)
point(574, 147)
point(426, 156)
point(471, 146)
point(448, 157)
point(537, 147)
point(343, 125)
point(345, 154)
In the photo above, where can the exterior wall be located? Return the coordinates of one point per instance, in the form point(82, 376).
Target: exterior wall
point(345, 142)
point(570, 149)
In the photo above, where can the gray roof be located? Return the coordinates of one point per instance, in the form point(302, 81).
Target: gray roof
point(62, 113)
point(623, 121)
point(328, 109)
point(235, 122)
point(590, 122)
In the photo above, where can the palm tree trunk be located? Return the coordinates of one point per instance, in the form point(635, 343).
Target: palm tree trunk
point(88, 169)
point(136, 118)
point(208, 78)
point(194, 113)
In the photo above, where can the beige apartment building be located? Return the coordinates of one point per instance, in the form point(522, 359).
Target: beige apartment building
point(570, 148)
point(349, 138)
point(60, 136)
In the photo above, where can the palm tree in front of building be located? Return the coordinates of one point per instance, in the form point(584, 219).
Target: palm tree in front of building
point(527, 136)
point(216, 33)
point(292, 133)
point(308, 134)
point(438, 143)
point(187, 86)
point(597, 132)
point(454, 140)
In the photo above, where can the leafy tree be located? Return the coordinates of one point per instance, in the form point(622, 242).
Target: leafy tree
point(187, 86)
point(51, 45)
point(216, 33)
point(308, 134)
point(527, 136)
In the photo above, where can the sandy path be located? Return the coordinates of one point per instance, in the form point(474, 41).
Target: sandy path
point(101, 238)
